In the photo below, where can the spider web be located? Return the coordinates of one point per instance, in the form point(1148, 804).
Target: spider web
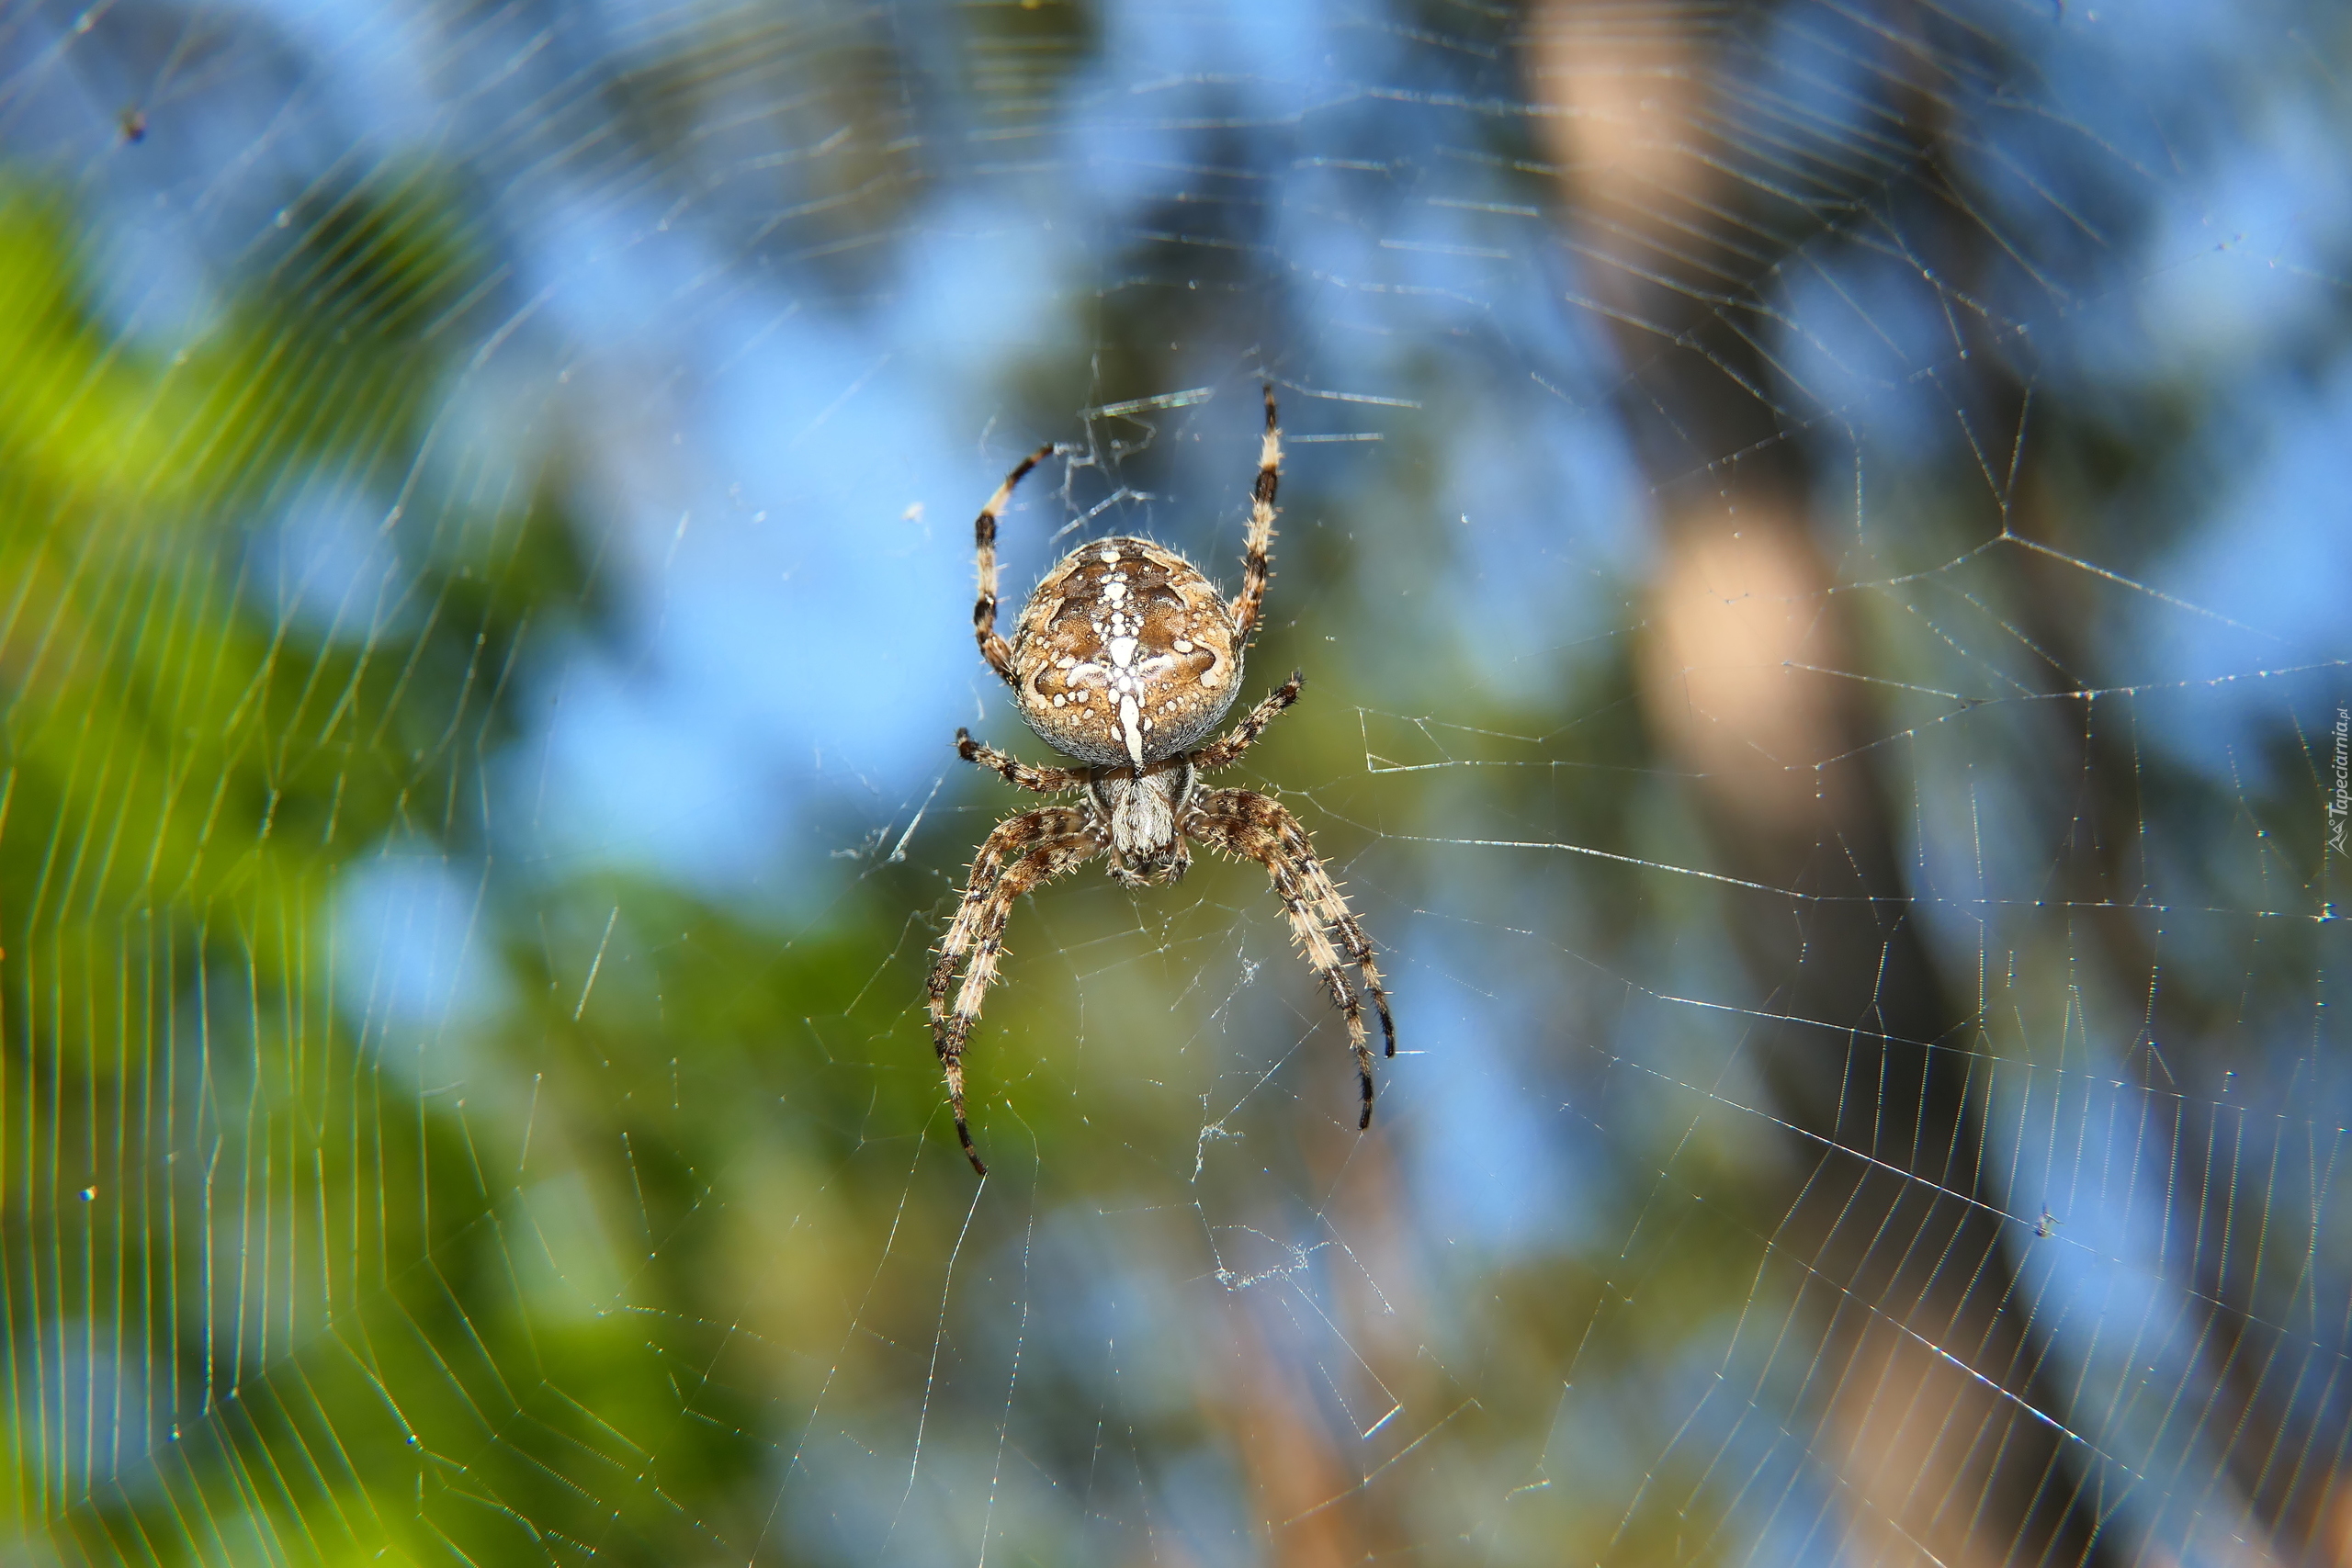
point(1814, 537)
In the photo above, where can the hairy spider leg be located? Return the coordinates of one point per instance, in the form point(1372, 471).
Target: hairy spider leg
point(1250, 825)
point(994, 649)
point(1261, 529)
point(1333, 907)
point(1353, 941)
point(1226, 750)
point(1025, 852)
point(1016, 773)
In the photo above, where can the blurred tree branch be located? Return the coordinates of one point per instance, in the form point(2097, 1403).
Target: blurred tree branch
point(1942, 1423)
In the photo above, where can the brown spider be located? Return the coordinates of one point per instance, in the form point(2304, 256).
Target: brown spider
point(1125, 658)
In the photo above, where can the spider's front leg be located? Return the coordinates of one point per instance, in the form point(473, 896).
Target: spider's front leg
point(1250, 825)
point(1025, 852)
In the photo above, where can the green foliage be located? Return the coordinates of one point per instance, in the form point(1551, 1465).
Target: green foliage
point(471, 1326)
point(187, 776)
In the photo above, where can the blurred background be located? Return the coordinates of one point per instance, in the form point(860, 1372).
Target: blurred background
point(1817, 538)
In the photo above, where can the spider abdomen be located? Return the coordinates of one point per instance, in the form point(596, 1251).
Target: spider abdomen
point(1124, 655)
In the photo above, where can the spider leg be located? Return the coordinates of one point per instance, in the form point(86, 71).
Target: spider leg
point(1227, 749)
point(1016, 773)
point(1024, 853)
point(1250, 825)
point(1261, 529)
point(994, 649)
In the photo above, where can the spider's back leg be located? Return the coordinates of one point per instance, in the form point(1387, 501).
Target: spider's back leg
point(1261, 529)
point(993, 648)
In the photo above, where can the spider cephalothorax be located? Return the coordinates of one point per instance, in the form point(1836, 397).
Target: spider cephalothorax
point(1125, 659)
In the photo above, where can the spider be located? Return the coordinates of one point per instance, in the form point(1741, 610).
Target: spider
point(1125, 659)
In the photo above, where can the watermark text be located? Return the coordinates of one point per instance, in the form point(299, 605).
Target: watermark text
point(2339, 800)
